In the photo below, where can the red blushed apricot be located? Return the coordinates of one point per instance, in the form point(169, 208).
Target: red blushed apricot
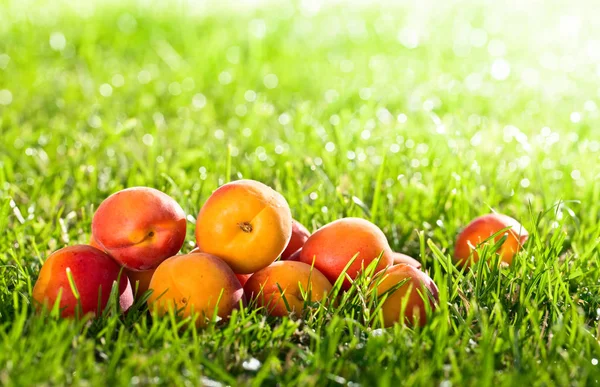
point(403, 259)
point(140, 281)
point(263, 286)
point(295, 256)
point(243, 278)
point(409, 299)
point(335, 244)
point(139, 227)
point(93, 273)
point(299, 236)
point(196, 284)
point(245, 223)
point(483, 228)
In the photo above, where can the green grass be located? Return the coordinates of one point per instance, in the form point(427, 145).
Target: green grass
point(343, 119)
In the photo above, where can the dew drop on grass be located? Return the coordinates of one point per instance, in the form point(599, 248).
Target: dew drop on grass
point(251, 364)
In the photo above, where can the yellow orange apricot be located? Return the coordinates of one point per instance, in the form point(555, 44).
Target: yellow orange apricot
point(197, 285)
point(245, 223)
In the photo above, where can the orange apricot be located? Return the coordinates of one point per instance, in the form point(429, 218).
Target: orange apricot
point(483, 228)
point(92, 271)
point(139, 227)
point(293, 278)
point(334, 245)
point(299, 236)
point(196, 285)
point(245, 223)
point(409, 299)
point(399, 259)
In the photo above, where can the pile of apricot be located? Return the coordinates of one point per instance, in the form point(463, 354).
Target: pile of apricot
point(249, 252)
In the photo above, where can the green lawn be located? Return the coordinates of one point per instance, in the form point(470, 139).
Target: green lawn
point(417, 118)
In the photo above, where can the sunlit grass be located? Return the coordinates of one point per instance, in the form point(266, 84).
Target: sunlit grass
point(417, 120)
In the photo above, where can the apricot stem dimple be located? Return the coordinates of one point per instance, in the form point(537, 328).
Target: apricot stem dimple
point(150, 234)
point(245, 226)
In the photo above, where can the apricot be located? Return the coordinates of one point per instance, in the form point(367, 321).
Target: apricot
point(295, 256)
point(95, 244)
point(139, 227)
point(140, 281)
point(290, 276)
point(334, 245)
point(399, 259)
point(484, 227)
point(245, 223)
point(243, 278)
point(409, 299)
point(299, 236)
point(93, 273)
point(195, 285)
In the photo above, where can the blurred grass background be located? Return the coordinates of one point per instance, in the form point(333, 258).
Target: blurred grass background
point(418, 117)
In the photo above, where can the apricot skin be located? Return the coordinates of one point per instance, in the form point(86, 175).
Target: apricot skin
point(140, 281)
point(335, 244)
point(482, 228)
point(195, 283)
point(295, 256)
point(403, 259)
point(93, 272)
point(299, 236)
point(243, 278)
point(139, 227)
point(245, 223)
point(417, 284)
point(262, 286)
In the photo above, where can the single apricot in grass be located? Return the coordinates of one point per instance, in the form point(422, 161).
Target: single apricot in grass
point(245, 223)
point(293, 278)
point(299, 236)
point(93, 273)
point(197, 285)
point(481, 229)
point(410, 298)
point(334, 245)
point(139, 227)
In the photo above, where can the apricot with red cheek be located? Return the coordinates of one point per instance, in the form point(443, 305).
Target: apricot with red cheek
point(299, 236)
point(403, 259)
point(409, 301)
point(264, 286)
point(93, 272)
point(246, 223)
point(139, 227)
point(196, 285)
point(243, 278)
point(295, 256)
point(483, 228)
point(334, 245)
